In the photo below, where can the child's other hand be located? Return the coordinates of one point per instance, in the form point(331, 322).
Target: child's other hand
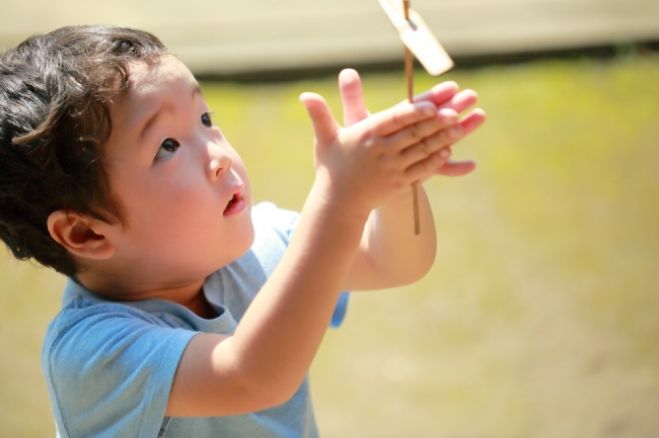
point(449, 101)
point(363, 165)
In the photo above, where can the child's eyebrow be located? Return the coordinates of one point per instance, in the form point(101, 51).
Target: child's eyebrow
point(196, 91)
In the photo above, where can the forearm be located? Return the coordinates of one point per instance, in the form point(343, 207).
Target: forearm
point(280, 333)
point(265, 360)
point(393, 253)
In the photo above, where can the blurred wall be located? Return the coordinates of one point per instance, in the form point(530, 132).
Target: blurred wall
point(259, 35)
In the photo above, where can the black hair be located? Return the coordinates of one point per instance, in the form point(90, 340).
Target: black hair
point(55, 93)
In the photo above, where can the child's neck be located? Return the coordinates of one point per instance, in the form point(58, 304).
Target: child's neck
point(200, 305)
point(190, 295)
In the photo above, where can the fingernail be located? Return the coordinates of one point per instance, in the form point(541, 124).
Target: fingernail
point(444, 153)
point(448, 116)
point(445, 85)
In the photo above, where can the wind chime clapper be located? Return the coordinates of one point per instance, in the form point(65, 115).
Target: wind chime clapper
point(421, 43)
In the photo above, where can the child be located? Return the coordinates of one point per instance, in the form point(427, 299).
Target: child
point(113, 173)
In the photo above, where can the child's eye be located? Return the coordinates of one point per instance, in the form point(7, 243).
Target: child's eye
point(206, 120)
point(167, 148)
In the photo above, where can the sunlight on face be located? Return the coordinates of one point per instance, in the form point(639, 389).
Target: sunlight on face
point(182, 188)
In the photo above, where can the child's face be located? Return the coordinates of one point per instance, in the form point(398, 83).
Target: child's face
point(181, 187)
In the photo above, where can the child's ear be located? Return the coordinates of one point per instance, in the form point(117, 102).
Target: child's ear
point(80, 235)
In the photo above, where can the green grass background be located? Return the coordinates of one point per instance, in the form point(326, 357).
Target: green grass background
point(540, 318)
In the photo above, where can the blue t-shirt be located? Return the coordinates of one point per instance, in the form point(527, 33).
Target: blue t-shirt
point(109, 366)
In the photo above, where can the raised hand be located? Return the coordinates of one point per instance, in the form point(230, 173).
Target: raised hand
point(363, 165)
point(449, 101)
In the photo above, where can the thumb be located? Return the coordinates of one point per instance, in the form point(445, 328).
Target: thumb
point(324, 125)
point(352, 97)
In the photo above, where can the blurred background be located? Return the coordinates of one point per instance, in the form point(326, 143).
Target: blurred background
point(540, 318)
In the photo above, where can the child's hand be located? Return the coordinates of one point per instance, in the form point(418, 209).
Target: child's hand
point(361, 166)
point(449, 101)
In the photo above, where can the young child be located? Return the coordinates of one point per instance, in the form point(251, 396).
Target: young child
point(189, 312)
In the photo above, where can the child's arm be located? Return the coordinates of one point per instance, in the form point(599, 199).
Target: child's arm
point(263, 363)
point(390, 254)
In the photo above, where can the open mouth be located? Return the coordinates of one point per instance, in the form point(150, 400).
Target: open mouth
point(235, 205)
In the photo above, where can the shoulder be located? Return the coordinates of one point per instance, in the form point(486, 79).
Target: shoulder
point(268, 217)
point(273, 228)
point(92, 320)
point(83, 322)
point(103, 358)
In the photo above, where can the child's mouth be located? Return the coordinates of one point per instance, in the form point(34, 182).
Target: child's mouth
point(235, 205)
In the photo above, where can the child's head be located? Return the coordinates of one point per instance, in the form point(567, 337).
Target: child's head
point(91, 118)
point(54, 95)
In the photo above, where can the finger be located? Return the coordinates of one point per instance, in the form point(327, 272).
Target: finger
point(439, 94)
point(459, 168)
point(472, 121)
point(468, 124)
point(424, 169)
point(430, 145)
point(417, 132)
point(456, 168)
point(448, 116)
point(461, 101)
point(352, 97)
point(444, 157)
point(324, 125)
point(400, 116)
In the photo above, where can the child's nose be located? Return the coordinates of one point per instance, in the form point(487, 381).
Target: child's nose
point(218, 163)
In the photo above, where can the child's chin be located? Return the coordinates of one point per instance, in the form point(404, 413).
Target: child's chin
point(243, 239)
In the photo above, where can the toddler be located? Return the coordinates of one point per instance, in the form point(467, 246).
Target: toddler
point(191, 312)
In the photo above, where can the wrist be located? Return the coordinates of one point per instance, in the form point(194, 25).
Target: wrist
point(335, 201)
point(403, 197)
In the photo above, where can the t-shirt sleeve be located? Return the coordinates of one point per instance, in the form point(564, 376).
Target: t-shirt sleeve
point(285, 222)
point(110, 374)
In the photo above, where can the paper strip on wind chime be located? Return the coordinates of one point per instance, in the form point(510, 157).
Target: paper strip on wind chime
point(417, 36)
